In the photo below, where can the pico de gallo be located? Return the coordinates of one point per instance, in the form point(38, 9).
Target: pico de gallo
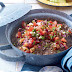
point(43, 37)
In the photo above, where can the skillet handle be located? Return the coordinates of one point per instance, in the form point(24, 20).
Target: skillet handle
point(2, 4)
point(10, 58)
point(71, 15)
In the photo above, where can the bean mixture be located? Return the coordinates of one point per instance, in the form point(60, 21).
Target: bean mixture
point(44, 37)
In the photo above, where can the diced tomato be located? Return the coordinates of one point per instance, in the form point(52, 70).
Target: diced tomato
point(27, 33)
point(52, 33)
point(29, 36)
point(34, 38)
point(27, 51)
point(50, 27)
point(59, 25)
point(69, 31)
point(21, 40)
point(64, 44)
point(32, 41)
point(50, 22)
point(24, 48)
point(56, 38)
point(55, 48)
point(47, 28)
point(31, 28)
point(19, 34)
point(30, 45)
point(32, 50)
point(39, 20)
point(63, 40)
point(37, 41)
point(34, 23)
point(42, 32)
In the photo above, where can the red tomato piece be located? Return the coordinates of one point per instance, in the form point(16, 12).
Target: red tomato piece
point(37, 41)
point(34, 38)
point(56, 38)
point(30, 45)
point(32, 50)
point(50, 27)
point(51, 22)
point(42, 32)
point(27, 33)
point(19, 34)
point(34, 23)
point(27, 51)
point(69, 31)
point(63, 40)
point(39, 20)
point(52, 33)
point(59, 25)
point(32, 41)
point(31, 28)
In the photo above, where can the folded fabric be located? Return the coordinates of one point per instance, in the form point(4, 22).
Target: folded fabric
point(67, 61)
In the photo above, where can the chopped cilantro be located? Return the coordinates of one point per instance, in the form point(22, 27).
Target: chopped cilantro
point(45, 46)
point(33, 21)
point(59, 27)
point(51, 36)
point(53, 28)
point(34, 43)
point(38, 31)
point(48, 22)
point(42, 37)
point(37, 34)
point(34, 30)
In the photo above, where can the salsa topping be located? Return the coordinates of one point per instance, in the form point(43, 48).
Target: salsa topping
point(43, 37)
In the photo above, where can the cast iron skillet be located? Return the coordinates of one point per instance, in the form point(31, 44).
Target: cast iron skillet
point(34, 59)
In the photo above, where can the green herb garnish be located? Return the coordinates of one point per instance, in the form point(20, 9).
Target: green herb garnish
point(48, 22)
point(59, 27)
point(34, 30)
point(42, 37)
point(51, 36)
point(45, 46)
point(34, 43)
point(53, 28)
point(38, 31)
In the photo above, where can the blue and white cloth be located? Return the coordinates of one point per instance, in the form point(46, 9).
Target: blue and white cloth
point(67, 61)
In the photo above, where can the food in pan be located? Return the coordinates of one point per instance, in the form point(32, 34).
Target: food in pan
point(43, 37)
